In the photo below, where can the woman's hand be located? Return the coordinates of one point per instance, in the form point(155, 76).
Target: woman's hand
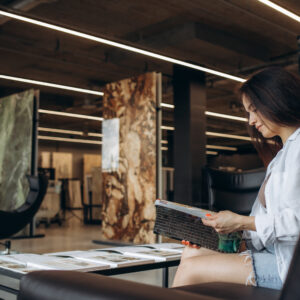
point(224, 222)
point(189, 244)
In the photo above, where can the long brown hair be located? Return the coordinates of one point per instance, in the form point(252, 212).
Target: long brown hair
point(275, 93)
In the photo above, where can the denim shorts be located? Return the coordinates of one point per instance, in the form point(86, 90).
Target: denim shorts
point(265, 267)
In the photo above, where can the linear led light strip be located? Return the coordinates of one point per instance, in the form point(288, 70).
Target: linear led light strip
point(213, 114)
point(212, 152)
point(230, 136)
point(64, 131)
point(49, 84)
point(52, 112)
point(207, 152)
point(70, 88)
point(74, 132)
point(221, 147)
point(62, 87)
point(60, 139)
point(59, 113)
point(281, 9)
point(118, 45)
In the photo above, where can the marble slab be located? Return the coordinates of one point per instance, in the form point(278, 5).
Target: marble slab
point(129, 191)
point(16, 116)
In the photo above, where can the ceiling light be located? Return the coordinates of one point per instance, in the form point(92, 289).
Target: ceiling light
point(164, 142)
point(230, 136)
point(59, 113)
point(211, 152)
point(164, 148)
point(64, 131)
point(281, 9)
point(60, 139)
point(167, 105)
point(53, 85)
point(95, 134)
point(213, 114)
point(167, 127)
point(221, 147)
point(118, 45)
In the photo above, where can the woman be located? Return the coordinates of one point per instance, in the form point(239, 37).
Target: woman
point(272, 100)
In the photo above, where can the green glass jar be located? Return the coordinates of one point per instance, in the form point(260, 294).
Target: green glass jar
point(230, 243)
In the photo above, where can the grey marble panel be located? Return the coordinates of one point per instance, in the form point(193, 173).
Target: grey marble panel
point(16, 113)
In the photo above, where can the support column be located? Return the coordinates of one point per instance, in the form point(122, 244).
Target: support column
point(298, 40)
point(189, 136)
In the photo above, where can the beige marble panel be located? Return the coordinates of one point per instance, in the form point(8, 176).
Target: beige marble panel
point(129, 193)
point(63, 164)
point(45, 159)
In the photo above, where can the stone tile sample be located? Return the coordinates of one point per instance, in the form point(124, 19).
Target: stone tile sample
point(128, 212)
point(16, 116)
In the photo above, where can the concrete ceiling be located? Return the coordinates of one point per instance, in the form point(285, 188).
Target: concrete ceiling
point(234, 36)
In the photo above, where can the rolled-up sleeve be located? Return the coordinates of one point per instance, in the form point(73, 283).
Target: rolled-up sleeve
point(282, 226)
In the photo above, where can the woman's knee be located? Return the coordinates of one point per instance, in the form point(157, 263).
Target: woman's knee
point(189, 252)
point(186, 273)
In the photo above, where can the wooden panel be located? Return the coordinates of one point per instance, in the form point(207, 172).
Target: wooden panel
point(62, 162)
point(90, 161)
point(74, 189)
point(45, 160)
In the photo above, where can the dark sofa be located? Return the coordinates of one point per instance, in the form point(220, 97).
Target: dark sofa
point(72, 285)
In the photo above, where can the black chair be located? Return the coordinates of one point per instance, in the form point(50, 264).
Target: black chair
point(12, 222)
point(235, 191)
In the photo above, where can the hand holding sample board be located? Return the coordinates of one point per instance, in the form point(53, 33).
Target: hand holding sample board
point(183, 222)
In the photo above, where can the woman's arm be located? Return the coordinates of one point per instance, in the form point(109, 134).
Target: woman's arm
point(226, 221)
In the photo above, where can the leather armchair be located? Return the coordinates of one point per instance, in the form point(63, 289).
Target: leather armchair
point(72, 285)
point(235, 191)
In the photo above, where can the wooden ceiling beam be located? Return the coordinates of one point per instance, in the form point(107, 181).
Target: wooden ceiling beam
point(23, 5)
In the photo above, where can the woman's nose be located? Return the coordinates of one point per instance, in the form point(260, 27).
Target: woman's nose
point(252, 119)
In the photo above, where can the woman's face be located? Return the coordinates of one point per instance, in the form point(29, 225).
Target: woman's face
point(267, 128)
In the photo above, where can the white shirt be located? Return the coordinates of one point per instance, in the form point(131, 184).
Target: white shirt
point(278, 223)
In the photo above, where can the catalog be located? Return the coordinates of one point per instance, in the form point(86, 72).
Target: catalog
point(113, 258)
point(44, 262)
point(146, 252)
point(22, 268)
point(176, 247)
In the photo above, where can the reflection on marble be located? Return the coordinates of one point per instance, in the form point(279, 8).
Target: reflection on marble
point(16, 112)
point(110, 144)
point(129, 193)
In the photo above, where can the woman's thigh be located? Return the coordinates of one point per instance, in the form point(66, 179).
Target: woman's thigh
point(218, 267)
point(191, 252)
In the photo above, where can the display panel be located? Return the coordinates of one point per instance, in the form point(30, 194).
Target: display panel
point(129, 160)
point(17, 147)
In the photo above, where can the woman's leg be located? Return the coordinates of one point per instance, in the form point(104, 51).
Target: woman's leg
point(190, 252)
point(218, 267)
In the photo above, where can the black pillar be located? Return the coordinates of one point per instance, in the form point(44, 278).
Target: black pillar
point(298, 40)
point(189, 136)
